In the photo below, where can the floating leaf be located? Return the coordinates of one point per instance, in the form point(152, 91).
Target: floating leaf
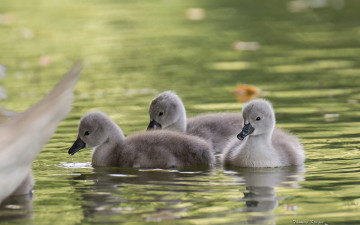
point(246, 92)
point(44, 60)
point(195, 14)
point(7, 18)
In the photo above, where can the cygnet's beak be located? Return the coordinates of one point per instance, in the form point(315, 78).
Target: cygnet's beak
point(154, 125)
point(78, 145)
point(247, 129)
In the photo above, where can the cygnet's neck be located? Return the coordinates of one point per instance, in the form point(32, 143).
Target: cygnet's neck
point(258, 151)
point(115, 134)
point(180, 123)
point(105, 154)
point(259, 143)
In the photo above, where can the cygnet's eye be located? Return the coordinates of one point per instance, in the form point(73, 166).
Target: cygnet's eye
point(161, 113)
point(258, 118)
point(86, 133)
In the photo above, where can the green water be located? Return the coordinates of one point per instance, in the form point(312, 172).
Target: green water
point(306, 62)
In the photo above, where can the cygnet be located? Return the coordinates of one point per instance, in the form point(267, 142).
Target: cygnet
point(261, 145)
point(154, 149)
point(167, 111)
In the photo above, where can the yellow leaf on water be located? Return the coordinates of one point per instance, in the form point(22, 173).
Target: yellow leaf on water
point(246, 92)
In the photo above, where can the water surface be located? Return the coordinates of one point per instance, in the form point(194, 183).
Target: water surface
point(303, 55)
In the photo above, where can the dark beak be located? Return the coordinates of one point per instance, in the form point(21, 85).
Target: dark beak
point(78, 145)
point(247, 129)
point(154, 125)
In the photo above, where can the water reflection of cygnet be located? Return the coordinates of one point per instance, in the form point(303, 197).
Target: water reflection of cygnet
point(16, 207)
point(114, 190)
point(260, 194)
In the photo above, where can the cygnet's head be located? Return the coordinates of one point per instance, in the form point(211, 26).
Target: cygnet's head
point(165, 110)
point(93, 131)
point(259, 118)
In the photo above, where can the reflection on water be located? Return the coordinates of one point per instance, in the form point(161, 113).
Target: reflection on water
point(260, 193)
point(130, 192)
point(16, 207)
point(121, 194)
point(302, 55)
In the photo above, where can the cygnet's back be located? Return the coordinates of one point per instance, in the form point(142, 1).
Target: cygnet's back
point(288, 146)
point(154, 149)
point(168, 112)
point(165, 149)
point(217, 128)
